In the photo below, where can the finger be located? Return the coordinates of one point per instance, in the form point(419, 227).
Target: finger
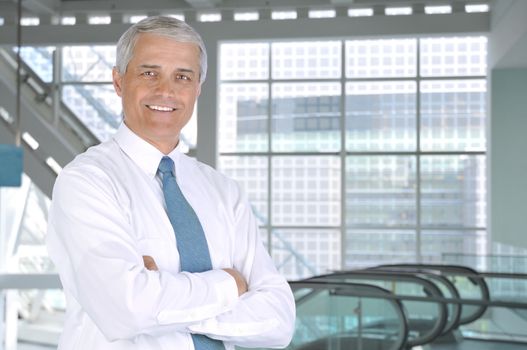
point(150, 263)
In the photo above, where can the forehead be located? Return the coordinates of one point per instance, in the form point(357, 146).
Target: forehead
point(161, 46)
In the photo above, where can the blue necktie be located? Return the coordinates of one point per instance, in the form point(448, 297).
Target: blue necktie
point(191, 242)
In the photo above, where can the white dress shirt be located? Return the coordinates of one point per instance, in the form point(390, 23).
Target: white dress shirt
point(108, 211)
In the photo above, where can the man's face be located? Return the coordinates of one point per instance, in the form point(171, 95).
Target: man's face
point(159, 88)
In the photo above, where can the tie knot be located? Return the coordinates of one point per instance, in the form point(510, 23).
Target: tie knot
point(166, 166)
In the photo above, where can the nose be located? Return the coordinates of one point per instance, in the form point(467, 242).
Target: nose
point(165, 87)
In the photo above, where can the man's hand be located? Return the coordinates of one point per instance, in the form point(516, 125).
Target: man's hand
point(240, 280)
point(150, 263)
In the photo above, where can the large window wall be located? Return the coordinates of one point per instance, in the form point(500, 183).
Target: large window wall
point(352, 152)
point(358, 152)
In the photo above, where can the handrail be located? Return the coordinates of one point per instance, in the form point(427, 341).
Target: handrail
point(454, 317)
point(454, 312)
point(359, 290)
point(456, 270)
point(514, 305)
point(29, 281)
point(489, 303)
point(428, 287)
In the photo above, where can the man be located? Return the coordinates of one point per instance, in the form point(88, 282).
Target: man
point(114, 235)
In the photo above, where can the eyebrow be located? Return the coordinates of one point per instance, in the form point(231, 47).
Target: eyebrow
point(149, 66)
point(156, 66)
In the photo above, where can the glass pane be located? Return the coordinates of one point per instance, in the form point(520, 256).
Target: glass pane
point(365, 248)
point(306, 117)
point(40, 60)
point(189, 133)
point(437, 246)
point(251, 174)
point(243, 61)
point(306, 60)
point(508, 287)
point(97, 106)
point(305, 253)
point(453, 191)
point(453, 115)
point(306, 190)
point(381, 116)
point(88, 63)
point(503, 258)
point(264, 237)
point(459, 56)
point(340, 320)
point(380, 191)
point(381, 58)
point(243, 119)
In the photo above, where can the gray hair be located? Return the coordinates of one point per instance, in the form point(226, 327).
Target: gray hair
point(161, 25)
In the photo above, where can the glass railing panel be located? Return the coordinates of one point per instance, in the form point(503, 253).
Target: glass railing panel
point(494, 304)
point(509, 287)
point(338, 319)
point(472, 288)
point(446, 287)
point(499, 324)
point(505, 322)
point(466, 280)
point(448, 290)
point(513, 261)
point(426, 318)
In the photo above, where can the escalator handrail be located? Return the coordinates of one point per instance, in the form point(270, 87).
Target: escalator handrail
point(428, 287)
point(457, 270)
point(360, 290)
point(454, 317)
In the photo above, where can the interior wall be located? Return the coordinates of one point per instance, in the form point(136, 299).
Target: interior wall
point(508, 123)
point(508, 149)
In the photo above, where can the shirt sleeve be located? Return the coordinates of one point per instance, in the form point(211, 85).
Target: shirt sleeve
point(91, 242)
point(265, 315)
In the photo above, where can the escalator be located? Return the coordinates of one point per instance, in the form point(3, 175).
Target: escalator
point(426, 318)
point(467, 281)
point(443, 306)
point(332, 315)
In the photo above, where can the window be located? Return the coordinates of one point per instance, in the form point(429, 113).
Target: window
point(358, 152)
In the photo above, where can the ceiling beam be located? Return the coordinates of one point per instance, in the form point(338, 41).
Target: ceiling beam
point(74, 6)
point(48, 7)
point(477, 23)
point(202, 4)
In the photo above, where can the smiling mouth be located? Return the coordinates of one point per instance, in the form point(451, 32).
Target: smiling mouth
point(160, 108)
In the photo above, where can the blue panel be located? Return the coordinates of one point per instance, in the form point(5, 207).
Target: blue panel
point(11, 165)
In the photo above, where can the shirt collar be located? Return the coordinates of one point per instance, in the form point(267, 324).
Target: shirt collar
point(142, 153)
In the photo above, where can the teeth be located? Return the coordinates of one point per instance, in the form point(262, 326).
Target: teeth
point(161, 108)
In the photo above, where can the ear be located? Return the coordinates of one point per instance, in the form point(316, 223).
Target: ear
point(117, 81)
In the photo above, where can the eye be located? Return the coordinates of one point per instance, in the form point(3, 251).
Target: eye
point(183, 77)
point(149, 74)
